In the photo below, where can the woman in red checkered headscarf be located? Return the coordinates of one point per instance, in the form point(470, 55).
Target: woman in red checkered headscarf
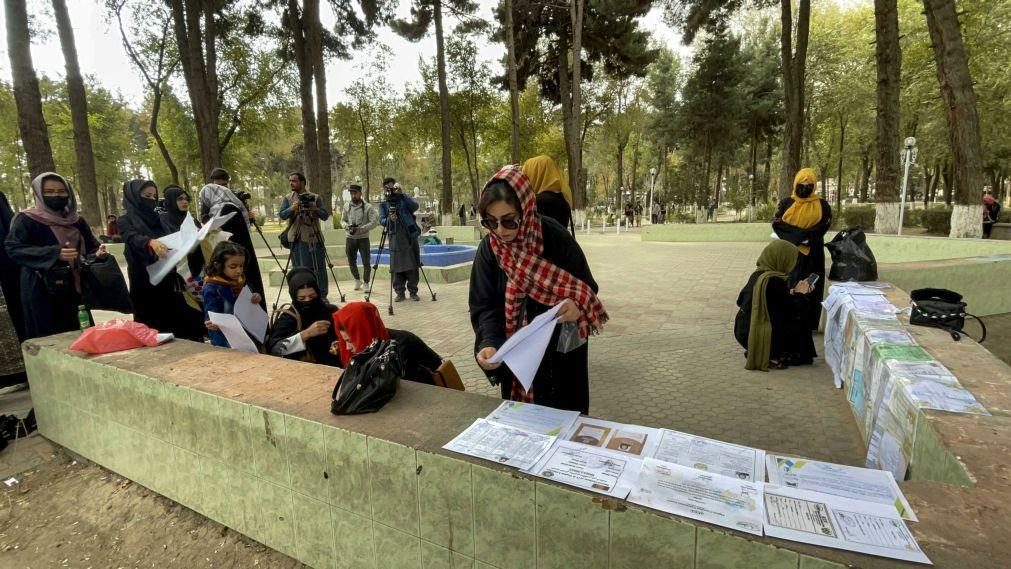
point(527, 264)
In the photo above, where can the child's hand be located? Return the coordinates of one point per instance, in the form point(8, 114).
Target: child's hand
point(211, 326)
point(256, 298)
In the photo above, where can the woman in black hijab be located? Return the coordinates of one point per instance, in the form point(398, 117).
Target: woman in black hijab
point(175, 209)
point(304, 331)
point(164, 306)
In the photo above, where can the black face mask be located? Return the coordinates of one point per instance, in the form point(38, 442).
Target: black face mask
point(148, 204)
point(56, 203)
point(804, 190)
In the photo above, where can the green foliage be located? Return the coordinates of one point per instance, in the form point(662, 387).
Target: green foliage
point(765, 212)
point(859, 216)
point(937, 221)
point(912, 218)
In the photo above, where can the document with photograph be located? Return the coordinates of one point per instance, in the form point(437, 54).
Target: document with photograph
point(703, 496)
point(868, 484)
point(534, 418)
point(700, 453)
point(631, 439)
point(501, 443)
point(840, 523)
point(594, 469)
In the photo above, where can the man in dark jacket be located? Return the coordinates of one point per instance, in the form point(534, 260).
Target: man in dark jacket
point(396, 214)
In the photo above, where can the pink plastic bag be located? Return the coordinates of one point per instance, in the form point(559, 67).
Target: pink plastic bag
point(115, 336)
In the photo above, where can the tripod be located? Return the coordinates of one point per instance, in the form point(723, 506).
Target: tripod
point(318, 237)
point(379, 253)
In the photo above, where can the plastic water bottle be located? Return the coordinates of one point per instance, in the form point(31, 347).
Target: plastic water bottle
point(83, 317)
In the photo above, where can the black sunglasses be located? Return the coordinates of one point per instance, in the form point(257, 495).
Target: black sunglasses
point(510, 224)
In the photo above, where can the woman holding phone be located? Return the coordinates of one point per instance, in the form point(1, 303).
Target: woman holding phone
point(772, 321)
point(526, 265)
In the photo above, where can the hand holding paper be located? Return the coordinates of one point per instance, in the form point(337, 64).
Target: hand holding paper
point(525, 350)
point(252, 316)
point(232, 329)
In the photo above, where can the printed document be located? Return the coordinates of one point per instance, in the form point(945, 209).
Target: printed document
point(703, 496)
point(182, 243)
point(589, 468)
point(876, 486)
point(534, 418)
point(630, 439)
point(728, 459)
point(524, 351)
point(232, 329)
point(840, 523)
point(501, 444)
point(252, 316)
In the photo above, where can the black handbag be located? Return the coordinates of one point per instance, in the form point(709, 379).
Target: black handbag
point(852, 258)
point(941, 308)
point(103, 286)
point(59, 280)
point(370, 380)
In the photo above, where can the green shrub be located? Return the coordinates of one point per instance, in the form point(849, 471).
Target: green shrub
point(912, 218)
point(1005, 216)
point(764, 212)
point(859, 216)
point(937, 220)
point(336, 219)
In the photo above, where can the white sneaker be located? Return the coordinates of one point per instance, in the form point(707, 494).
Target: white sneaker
point(358, 285)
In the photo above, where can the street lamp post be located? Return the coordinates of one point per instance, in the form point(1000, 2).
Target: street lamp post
point(908, 158)
point(620, 213)
point(652, 188)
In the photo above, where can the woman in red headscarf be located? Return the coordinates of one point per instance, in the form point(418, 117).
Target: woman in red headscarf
point(358, 325)
point(524, 266)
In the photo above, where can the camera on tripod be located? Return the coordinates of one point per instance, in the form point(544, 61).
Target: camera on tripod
point(392, 196)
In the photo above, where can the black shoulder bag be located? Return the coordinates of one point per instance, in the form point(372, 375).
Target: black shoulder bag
point(103, 286)
point(370, 380)
point(941, 308)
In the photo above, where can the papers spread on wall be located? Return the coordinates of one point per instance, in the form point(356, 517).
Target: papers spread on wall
point(233, 331)
point(252, 316)
point(534, 418)
point(629, 439)
point(501, 443)
point(699, 495)
point(524, 351)
point(840, 523)
point(867, 484)
point(590, 468)
point(710, 455)
point(182, 243)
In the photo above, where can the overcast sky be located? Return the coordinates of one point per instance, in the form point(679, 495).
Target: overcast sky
point(101, 52)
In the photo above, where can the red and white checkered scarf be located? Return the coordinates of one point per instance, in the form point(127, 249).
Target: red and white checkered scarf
point(528, 273)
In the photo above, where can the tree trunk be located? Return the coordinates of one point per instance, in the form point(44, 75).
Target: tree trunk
point(767, 170)
point(794, 66)
point(466, 154)
point(576, 13)
point(754, 166)
point(633, 182)
point(947, 174)
point(621, 172)
point(446, 201)
point(839, 177)
point(87, 185)
point(719, 183)
point(514, 90)
point(198, 55)
point(27, 98)
point(960, 111)
point(365, 142)
point(889, 57)
point(324, 168)
point(299, 25)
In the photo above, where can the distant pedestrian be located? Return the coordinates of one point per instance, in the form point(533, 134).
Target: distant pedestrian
point(463, 214)
point(554, 197)
point(991, 214)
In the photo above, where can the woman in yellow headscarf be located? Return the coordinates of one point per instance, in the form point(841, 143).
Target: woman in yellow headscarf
point(554, 197)
point(802, 219)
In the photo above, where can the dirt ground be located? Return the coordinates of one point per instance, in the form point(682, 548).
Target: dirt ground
point(69, 513)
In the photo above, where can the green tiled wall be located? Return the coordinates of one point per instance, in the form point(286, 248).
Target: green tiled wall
point(335, 499)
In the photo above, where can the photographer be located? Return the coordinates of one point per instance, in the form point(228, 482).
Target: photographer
point(359, 218)
point(396, 213)
point(304, 210)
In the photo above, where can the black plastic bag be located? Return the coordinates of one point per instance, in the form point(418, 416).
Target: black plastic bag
point(103, 286)
point(370, 380)
point(852, 258)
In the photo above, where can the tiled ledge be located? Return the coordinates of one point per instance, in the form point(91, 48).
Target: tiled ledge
point(248, 441)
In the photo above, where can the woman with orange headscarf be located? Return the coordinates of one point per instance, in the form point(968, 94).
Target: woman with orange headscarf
point(358, 324)
point(802, 219)
point(554, 197)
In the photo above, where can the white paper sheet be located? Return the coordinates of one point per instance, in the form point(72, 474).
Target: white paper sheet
point(166, 337)
point(501, 443)
point(182, 243)
point(252, 316)
point(533, 418)
point(594, 469)
point(703, 496)
point(840, 523)
point(700, 453)
point(867, 484)
point(524, 351)
point(232, 329)
point(630, 439)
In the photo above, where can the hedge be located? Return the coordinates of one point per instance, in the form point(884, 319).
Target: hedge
point(937, 220)
point(860, 216)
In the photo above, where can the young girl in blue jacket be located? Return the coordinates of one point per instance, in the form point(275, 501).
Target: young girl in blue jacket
point(223, 282)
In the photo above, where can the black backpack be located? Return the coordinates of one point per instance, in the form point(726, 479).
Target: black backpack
point(370, 380)
point(941, 308)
